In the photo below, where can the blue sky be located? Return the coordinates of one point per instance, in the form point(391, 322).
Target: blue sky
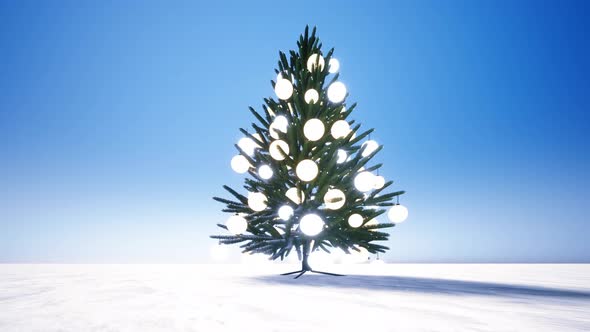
point(117, 122)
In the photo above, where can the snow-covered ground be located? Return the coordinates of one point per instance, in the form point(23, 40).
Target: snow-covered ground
point(373, 297)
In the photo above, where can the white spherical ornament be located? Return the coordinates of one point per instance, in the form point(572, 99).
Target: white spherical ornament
point(355, 220)
point(285, 212)
point(274, 130)
point(257, 201)
point(306, 170)
point(314, 61)
point(397, 214)
point(311, 224)
point(265, 172)
point(340, 129)
point(313, 129)
point(240, 164)
point(236, 225)
point(281, 122)
point(274, 151)
point(284, 89)
point(248, 145)
point(342, 155)
point(379, 182)
point(311, 96)
point(370, 147)
point(333, 66)
point(295, 195)
point(337, 92)
point(364, 181)
point(334, 199)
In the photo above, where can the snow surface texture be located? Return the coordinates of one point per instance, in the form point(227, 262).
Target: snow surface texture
point(373, 297)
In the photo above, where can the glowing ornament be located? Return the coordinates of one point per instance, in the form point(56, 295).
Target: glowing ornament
point(311, 224)
point(379, 182)
point(295, 195)
point(240, 164)
point(355, 220)
point(342, 155)
point(279, 124)
point(334, 199)
point(285, 212)
point(274, 151)
point(397, 214)
point(314, 61)
point(257, 201)
point(306, 170)
point(340, 129)
point(248, 145)
point(313, 129)
point(333, 66)
point(337, 92)
point(265, 172)
point(236, 225)
point(370, 147)
point(364, 181)
point(311, 96)
point(274, 131)
point(284, 89)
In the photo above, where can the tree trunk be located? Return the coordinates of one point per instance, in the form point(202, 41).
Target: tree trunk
point(304, 265)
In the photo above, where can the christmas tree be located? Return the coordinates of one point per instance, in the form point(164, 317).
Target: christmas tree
point(311, 185)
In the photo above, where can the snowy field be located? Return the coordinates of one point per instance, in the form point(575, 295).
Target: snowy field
point(373, 297)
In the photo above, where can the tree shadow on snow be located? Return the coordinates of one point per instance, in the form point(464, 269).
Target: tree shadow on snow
point(425, 285)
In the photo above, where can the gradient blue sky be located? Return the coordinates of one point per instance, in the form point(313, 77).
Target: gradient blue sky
point(117, 122)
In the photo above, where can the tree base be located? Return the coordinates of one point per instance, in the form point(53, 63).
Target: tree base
point(301, 272)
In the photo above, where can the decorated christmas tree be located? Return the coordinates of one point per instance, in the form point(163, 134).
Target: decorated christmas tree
point(311, 185)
